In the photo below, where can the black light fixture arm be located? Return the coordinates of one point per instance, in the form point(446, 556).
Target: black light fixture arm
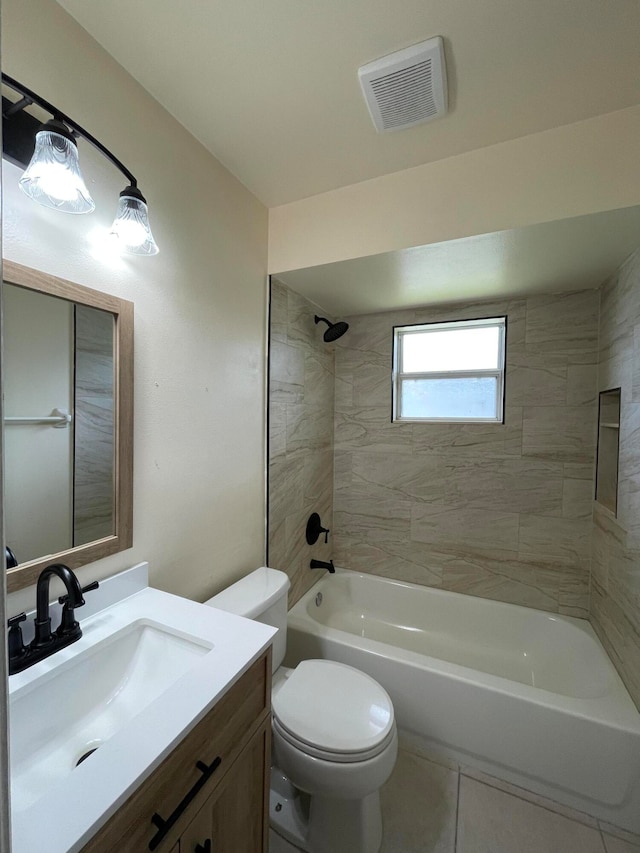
point(29, 97)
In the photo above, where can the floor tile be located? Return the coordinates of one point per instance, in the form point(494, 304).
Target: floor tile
point(617, 832)
point(523, 794)
point(419, 807)
point(617, 845)
point(492, 821)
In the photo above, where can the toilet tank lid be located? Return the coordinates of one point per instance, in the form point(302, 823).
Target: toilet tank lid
point(252, 594)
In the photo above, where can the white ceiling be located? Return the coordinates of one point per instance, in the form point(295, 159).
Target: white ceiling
point(270, 86)
point(572, 254)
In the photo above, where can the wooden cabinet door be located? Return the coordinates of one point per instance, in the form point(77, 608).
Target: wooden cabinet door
point(197, 837)
point(235, 819)
point(241, 812)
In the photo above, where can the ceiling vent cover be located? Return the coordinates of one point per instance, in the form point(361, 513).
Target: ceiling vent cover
point(407, 87)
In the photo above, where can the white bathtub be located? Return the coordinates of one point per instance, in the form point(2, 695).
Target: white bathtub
point(527, 696)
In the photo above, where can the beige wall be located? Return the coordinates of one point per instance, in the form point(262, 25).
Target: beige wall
point(615, 598)
point(199, 305)
point(301, 393)
point(581, 168)
point(498, 511)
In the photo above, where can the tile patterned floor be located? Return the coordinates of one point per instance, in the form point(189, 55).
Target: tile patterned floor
point(431, 808)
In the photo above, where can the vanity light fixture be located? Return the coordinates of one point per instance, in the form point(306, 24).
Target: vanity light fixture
point(52, 177)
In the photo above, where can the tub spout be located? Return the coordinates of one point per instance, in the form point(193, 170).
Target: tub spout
point(321, 564)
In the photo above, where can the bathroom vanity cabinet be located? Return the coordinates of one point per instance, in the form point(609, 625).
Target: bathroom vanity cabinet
point(211, 793)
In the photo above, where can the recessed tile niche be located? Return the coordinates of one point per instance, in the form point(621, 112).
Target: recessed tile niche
point(608, 444)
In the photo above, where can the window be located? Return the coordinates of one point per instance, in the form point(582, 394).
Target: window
point(449, 371)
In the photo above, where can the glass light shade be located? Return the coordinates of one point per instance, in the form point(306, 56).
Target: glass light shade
point(131, 225)
point(53, 176)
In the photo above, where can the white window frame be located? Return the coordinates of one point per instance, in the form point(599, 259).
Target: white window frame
point(399, 332)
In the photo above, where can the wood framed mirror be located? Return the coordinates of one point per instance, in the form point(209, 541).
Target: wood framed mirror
point(68, 383)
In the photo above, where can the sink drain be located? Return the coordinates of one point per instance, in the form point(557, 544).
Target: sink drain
point(85, 755)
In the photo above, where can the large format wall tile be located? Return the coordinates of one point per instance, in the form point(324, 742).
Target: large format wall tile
point(495, 510)
point(301, 408)
point(615, 601)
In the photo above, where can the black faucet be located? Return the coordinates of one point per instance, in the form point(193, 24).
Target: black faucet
point(320, 564)
point(45, 642)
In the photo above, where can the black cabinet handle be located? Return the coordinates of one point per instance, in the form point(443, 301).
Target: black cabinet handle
point(164, 826)
point(204, 849)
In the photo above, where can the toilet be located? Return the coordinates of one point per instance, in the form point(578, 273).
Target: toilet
point(334, 737)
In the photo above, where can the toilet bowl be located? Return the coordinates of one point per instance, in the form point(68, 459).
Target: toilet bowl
point(334, 736)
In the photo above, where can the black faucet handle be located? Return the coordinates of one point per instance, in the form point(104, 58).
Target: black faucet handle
point(15, 643)
point(64, 599)
point(68, 626)
point(14, 621)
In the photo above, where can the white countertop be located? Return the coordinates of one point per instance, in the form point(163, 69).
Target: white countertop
point(65, 819)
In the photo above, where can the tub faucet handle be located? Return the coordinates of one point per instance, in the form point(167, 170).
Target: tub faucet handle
point(315, 529)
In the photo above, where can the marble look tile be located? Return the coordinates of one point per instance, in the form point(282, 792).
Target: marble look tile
point(319, 391)
point(300, 323)
point(372, 519)
point(285, 393)
point(287, 363)
point(581, 384)
point(373, 333)
point(278, 311)
point(308, 428)
point(419, 804)
point(448, 528)
point(94, 331)
point(277, 429)
point(563, 433)
point(577, 498)
point(401, 559)
point(503, 485)
point(492, 821)
point(398, 476)
point(635, 373)
point(618, 845)
point(616, 373)
point(555, 537)
point(370, 429)
point(502, 576)
point(566, 322)
point(580, 471)
point(513, 309)
point(94, 374)
point(343, 392)
point(471, 439)
point(536, 379)
point(619, 638)
point(285, 487)
point(575, 592)
point(318, 477)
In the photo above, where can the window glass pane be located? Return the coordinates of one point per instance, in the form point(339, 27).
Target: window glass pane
point(449, 398)
point(474, 348)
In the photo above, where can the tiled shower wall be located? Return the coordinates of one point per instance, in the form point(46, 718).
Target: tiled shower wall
point(301, 396)
point(615, 596)
point(498, 511)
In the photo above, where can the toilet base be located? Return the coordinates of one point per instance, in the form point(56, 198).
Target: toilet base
point(315, 824)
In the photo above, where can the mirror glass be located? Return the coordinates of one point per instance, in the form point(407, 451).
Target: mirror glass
point(68, 423)
point(59, 423)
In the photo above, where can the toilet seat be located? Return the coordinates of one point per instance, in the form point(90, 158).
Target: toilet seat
point(332, 711)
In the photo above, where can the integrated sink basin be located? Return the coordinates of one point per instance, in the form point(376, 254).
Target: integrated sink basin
point(60, 718)
point(148, 667)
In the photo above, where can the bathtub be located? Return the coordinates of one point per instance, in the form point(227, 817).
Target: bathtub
point(527, 696)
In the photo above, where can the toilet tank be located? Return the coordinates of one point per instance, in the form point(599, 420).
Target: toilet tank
point(261, 595)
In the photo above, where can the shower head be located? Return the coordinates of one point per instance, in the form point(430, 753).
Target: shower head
point(335, 330)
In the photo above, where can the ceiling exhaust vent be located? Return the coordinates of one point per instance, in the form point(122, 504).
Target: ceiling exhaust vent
point(407, 87)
